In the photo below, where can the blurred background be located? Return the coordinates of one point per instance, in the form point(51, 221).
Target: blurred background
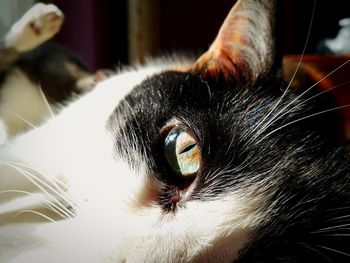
point(113, 33)
point(109, 33)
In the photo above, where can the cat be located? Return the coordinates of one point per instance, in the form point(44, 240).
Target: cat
point(38, 76)
point(215, 159)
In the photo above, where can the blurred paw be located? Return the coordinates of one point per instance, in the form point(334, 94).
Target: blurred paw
point(90, 81)
point(40, 23)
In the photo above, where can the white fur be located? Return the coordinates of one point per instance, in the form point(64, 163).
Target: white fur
point(40, 23)
point(117, 218)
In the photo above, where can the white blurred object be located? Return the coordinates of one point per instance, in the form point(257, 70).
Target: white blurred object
point(11, 11)
point(3, 133)
point(341, 43)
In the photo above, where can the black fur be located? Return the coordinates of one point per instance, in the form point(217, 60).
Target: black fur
point(300, 169)
point(47, 65)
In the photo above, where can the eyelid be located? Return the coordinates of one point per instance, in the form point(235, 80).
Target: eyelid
point(174, 122)
point(170, 125)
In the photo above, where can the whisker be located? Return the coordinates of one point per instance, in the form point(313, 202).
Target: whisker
point(49, 204)
point(334, 250)
point(15, 192)
point(277, 117)
point(61, 184)
point(19, 117)
point(326, 232)
point(54, 183)
point(304, 245)
point(34, 212)
point(339, 218)
point(324, 91)
point(338, 235)
point(339, 208)
point(37, 182)
point(331, 228)
point(300, 119)
point(58, 210)
point(49, 108)
point(295, 71)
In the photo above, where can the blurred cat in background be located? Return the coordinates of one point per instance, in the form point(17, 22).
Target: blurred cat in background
point(37, 77)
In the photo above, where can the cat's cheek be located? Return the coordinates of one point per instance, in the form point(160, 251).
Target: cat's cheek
point(185, 235)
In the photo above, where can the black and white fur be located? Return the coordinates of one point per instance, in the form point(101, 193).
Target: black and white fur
point(36, 76)
point(90, 185)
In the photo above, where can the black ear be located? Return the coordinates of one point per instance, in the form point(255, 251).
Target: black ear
point(244, 48)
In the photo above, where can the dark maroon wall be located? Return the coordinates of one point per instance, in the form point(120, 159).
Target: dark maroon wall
point(97, 29)
point(78, 32)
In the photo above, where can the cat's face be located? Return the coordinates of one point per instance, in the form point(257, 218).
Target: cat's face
point(213, 163)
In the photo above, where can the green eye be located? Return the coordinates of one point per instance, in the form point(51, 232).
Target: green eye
point(182, 153)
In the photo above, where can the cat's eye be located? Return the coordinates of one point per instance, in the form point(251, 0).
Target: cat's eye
point(182, 153)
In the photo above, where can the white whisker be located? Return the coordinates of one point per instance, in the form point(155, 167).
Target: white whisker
point(62, 185)
point(49, 204)
point(54, 183)
point(324, 91)
point(277, 116)
point(339, 218)
point(15, 192)
point(49, 109)
point(295, 71)
point(36, 213)
point(304, 245)
point(334, 250)
point(40, 183)
point(300, 119)
point(19, 117)
point(58, 210)
point(331, 228)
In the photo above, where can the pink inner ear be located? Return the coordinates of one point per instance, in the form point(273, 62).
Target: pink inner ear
point(244, 46)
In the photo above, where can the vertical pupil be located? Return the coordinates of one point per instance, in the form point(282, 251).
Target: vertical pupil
point(182, 153)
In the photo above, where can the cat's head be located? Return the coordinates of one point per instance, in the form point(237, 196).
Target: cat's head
point(214, 161)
